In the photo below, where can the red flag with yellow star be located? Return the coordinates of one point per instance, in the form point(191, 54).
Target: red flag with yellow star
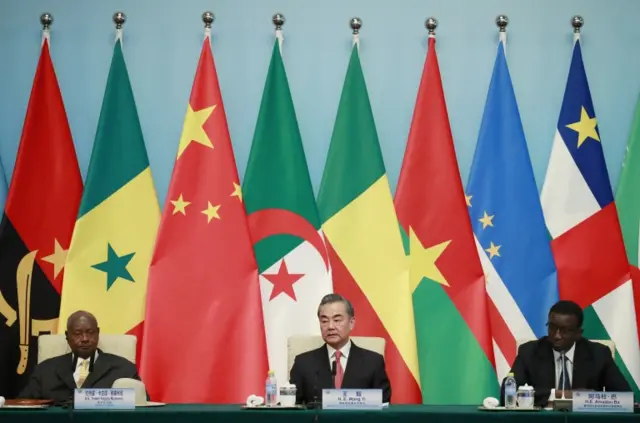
point(447, 281)
point(204, 335)
point(40, 213)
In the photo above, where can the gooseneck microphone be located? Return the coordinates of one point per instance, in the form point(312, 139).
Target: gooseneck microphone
point(562, 375)
point(333, 373)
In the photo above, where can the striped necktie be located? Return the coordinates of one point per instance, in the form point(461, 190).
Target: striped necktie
point(84, 372)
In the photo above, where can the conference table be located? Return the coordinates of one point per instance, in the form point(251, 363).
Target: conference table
point(204, 413)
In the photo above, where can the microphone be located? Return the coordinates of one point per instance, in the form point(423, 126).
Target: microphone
point(333, 373)
point(315, 403)
point(562, 375)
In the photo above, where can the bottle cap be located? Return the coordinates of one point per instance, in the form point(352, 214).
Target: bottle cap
point(511, 374)
point(271, 372)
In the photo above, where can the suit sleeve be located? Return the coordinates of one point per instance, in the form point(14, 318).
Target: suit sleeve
point(381, 380)
point(521, 373)
point(296, 378)
point(33, 390)
point(613, 378)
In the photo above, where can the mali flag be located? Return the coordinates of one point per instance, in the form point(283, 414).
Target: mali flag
point(113, 239)
point(40, 213)
point(446, 275)
point(367, 257)
point(204, 273)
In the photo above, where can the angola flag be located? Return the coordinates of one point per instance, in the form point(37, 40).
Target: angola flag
point(40, 213)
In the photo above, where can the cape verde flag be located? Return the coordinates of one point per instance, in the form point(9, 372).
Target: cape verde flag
point(582, 219)
point(509, 225)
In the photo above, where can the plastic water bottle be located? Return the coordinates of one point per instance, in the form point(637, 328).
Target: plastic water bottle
point(510, 391)
point(271, 397)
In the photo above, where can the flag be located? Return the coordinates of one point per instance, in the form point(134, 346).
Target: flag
point(628, 205)
point(35, 233)
point(113, 239)
point(204, 272)
point(582, 219)
point(284, 222)
point(508, 223)
point(366, 253)
point(445, 273)
point(4, 188)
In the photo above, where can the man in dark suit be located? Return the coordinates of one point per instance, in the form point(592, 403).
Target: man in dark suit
point(564, 360)
point(339, 363)
point(86, 366)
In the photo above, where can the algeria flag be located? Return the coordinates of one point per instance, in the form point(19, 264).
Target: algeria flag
point(284, 223)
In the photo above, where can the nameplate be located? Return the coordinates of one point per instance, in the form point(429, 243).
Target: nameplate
point(104, 399)
point(352, 399)
point(603, 402)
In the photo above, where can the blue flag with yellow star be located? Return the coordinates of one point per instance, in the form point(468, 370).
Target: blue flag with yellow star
point(108, 261)
point(508, 222)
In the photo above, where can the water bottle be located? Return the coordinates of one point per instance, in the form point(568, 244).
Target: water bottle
point(510, 391)
point(271, 397)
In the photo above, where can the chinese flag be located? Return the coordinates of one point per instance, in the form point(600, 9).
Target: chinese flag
point(204, 339)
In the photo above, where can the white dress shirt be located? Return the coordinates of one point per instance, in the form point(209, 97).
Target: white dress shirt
point(343, 359)
point(76, 373)
point(558, 361)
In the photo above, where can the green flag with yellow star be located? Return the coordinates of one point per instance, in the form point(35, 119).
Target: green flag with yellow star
point(111, 247)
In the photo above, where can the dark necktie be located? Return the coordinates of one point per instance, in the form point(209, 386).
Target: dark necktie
point(565, 380)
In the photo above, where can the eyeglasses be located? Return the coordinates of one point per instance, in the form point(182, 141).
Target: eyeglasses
point(553, 328)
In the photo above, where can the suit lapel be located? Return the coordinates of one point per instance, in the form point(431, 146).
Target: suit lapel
point(352, 362)
point(581, 362)
point(100, 367)
point(65, 371)
point(324, 368)
point(547, 364)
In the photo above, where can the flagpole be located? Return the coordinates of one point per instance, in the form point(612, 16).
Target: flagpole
point(356, 24)
point(278, 21)
point(46, 19)
point(431, 24)
point(208, 18)
point(119, 18)
point(502, 21)
point(577, 22)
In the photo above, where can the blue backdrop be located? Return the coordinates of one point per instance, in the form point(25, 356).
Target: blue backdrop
point(162, 40)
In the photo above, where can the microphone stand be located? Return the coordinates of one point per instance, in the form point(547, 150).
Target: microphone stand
point(563, 403)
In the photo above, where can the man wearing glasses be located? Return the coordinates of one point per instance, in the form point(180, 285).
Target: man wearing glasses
point(564, 360)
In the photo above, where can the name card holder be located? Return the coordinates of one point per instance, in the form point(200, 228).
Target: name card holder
point(104, 399)
point(352, 399)
point(603, 402)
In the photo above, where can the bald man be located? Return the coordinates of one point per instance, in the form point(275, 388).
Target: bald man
point(86, 366)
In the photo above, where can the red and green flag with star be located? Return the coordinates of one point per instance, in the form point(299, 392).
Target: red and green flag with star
point(204, 337)
point(108, 261)
point(284, 222)
point(447, 281)
point(39, 216)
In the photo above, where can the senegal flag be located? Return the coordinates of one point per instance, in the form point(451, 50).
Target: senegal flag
point(366, 253)
point(112, 242)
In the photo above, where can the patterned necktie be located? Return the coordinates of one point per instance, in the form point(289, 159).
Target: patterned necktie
point(339, 371)
point(564, 383)
point(84, 372)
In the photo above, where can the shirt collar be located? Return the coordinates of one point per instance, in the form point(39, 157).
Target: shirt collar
point(344, 350)
point(568, 354)
point(80, 360)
